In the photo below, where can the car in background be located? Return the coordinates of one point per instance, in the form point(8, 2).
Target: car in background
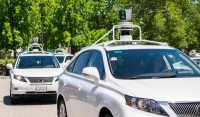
point(63, 58)
point(119, 78)
point(196, 58)
point(34, 73)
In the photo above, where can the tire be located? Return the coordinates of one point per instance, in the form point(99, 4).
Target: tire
point(108, 115)
point(13, 100)
point(62, 109)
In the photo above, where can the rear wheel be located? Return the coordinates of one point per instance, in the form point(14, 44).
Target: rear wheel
point(62, 109)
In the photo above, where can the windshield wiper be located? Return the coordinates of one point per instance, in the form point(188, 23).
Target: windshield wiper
point(129, 78)
point(167, 74)
point(170, 76)
point(164, 74)
point(135, 77)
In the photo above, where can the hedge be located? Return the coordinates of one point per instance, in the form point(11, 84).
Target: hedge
point(3, 69)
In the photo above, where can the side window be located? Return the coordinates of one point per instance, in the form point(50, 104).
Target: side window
point(14, 64)
point(96, 60)
point(68, 58)
point(180, 64)
point(70, 67)
point(81, 62)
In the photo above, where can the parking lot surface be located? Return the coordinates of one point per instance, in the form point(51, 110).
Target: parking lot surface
point(27, 107)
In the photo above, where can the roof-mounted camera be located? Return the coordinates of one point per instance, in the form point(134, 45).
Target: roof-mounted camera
point(59, 49)
point(124, 27)
point(35, 46)
point(125, 14)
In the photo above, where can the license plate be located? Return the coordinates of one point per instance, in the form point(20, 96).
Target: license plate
point(41, 88)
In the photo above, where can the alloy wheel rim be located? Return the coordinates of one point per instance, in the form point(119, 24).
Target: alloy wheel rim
point(62, 110)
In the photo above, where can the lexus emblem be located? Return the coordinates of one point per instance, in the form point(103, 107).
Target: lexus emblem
point(41, 80)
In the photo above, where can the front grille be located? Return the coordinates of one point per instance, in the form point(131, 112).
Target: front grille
point(186, 109)
point(40, 79)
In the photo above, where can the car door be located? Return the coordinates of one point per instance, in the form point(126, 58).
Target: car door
point(86, 98)
point(70, 81)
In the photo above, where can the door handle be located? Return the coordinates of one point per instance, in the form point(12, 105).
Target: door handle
point(65, 82)
point(80, 87)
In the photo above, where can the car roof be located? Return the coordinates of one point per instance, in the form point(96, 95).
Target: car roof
point(36, 54)
point(63, 55)
point(127, 46)
point(195, 57)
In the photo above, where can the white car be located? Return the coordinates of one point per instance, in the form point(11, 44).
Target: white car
point(35, 73)
point(63, 58)
point(129, 78)
point(196, 58)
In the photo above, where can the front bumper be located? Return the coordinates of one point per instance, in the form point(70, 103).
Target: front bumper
point(23, 89)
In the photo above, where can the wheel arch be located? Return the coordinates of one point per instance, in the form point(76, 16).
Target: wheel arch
point(104, 111)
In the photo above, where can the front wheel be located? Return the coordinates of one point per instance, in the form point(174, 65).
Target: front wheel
point(62, 109)
point(13, 100)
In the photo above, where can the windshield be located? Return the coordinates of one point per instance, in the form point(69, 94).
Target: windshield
point(151, 63)
point(37, 62)
point(60, 58)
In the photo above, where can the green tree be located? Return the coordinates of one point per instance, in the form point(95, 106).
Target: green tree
point(175, 23)
point(82, 22)
point(18, 26)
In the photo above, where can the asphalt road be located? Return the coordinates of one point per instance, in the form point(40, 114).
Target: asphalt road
point(26, 107)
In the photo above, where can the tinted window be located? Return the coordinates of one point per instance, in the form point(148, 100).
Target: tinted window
point(37, 62)
point(196, 60)
point(81, 62)
point(60, 58)
point(68, 58)
point(70, 67)
point(96, 60)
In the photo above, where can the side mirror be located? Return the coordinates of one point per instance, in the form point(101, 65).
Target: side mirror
point(68, 61)
point(91, 73)
point(65, 64)
point(9, 66)
point(198, 63)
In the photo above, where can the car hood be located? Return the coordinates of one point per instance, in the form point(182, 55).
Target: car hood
point(172, 89)
point(39, 72)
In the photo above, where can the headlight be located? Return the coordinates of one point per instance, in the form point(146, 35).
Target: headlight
point(56, 78)
point(146, 105)
point(20, 78)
